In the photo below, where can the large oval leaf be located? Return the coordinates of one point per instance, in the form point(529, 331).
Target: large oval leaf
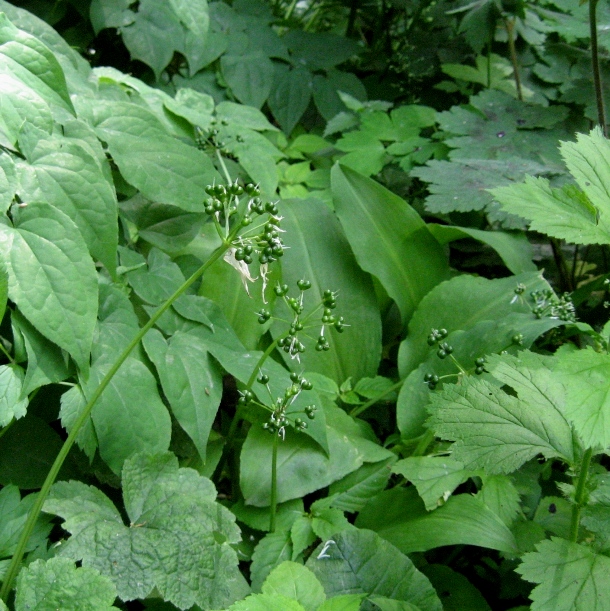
point(389, 238)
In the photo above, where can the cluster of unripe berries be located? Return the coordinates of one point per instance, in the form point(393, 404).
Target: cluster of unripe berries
point(547, 304)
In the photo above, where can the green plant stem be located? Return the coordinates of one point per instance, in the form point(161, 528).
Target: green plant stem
point(509, 24)
point(579, 494)
point(290, 10)
point(597, 75)
point(41, 497)
point(426, 439)
point(360, 408)
point(273, 507)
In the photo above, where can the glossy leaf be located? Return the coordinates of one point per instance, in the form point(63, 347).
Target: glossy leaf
point(46, 258)
point(388, 238)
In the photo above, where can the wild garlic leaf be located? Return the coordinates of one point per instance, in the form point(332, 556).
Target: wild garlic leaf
point(570, 576)
point(58, 584)
point(178, 538)
point(496, 431)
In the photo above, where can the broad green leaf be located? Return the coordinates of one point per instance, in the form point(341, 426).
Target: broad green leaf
point(496, 431)
point(359, 561)
point(64, 174)
point(110, 14)
point(258, 517)
point(343, 602)
point(586, 399)
point(273, 549)
point(352, 492)
point(8, 180)
point(3, 289)
point(163, 168)
point(364, 152)
point(318, 251)
point(290, 96)
point(570, 576)
point(72, 403)
point(51, 277)
point(129, 416)
point(388, 238)
point(501, 496)
point(435, 477)
point(295, 581)
point(249, 76)
point(32, 62)
point(388, 604)
point(13, 514)
point(193, 15)
point(320, 50)
point(326, 90)
point(58, 584)
point(12, 405)
point(301, 535)
point(242, 116)
point(400, 517)
point(454, 590)
point(514, 248)
point(266, 602)
point(191, 381)
point(178, 539)
point(195, 107)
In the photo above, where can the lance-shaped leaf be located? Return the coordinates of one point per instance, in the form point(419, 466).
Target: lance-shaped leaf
point(497, 431)
point(570, 576)
point(389, 239)
point(64, 174)
point(178, 538)
point(52, 278)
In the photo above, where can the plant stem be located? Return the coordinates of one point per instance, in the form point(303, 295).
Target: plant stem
point(360, 408)
point(273, 506)
point(510, 30)
point(424, 442)
point(597, 76)
point(579, 494)
point(290, 10)
point(41, 497)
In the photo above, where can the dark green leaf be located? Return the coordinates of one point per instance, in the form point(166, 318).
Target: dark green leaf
point(290, 96)
point(250, 77)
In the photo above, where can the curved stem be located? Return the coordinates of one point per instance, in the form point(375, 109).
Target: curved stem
point(579, 494)
point(41, 497)
point(597, 76)
point(273, 506)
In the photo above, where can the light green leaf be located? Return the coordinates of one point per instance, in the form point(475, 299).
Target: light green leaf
point(301, 535)
point(586, 400)
point(388, 238)
point(514, 248)
point(195, 107)
point(388, 604)
point(435, 477)
point(64, 174)
point(365, 153)
point(273, 549)
point(8, 179)
point(326, 90)
point(191, 381)
point(258, 517)
point(360, 561)
point(501, 496)
point(178, 540)
point(343, 602)
point(110, 14)
point(242, 116)
point(72, 403)
point(497, 431)
point(52, 277)
point(3, 288)
point(163, 168)
point(58, 584)
point(399, 516)
point(290, 96)
point(193, 14)
point(296, 582)
point(11, 385)
point(318, 251)
point(570, 576)
point(266, 602)
point(250, 76)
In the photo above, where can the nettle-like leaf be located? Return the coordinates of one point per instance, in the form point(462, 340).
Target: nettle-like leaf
point(496, 431)
point(58, 584)
point(178, 539)
point(580, 216)
point(570, 576)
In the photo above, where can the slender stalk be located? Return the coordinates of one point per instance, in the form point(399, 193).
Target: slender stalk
point(41, 497)
point(510, 30)
point(426, 439)
point(597, 76)
point(290, 10)
point(273, 507)
point(579, 494)
point(360, 408)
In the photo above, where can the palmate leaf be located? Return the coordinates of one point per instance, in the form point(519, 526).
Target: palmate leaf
point(570, 577)
point(496, 431)
point(580, 216)
point(178, 540)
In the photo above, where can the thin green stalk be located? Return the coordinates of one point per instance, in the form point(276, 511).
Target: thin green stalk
point(358, 410)
point(579, 494)
point(510, 30)
point(273, 507)
point(597, 75)
point(41, 497)
point(290, 10)
point(426, 439)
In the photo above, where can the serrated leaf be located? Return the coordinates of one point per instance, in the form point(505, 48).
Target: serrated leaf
point(359, 561)
point(163, 168)
point(47, 261)
point(179, 539)
point(266, 602)
point(496, 431)
point(58, 584)
point(301, 535)
point(435, 477)
point(62, 173)
point(273, 549)
point(376, 220)
point(296, 582)
point(570, 576)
